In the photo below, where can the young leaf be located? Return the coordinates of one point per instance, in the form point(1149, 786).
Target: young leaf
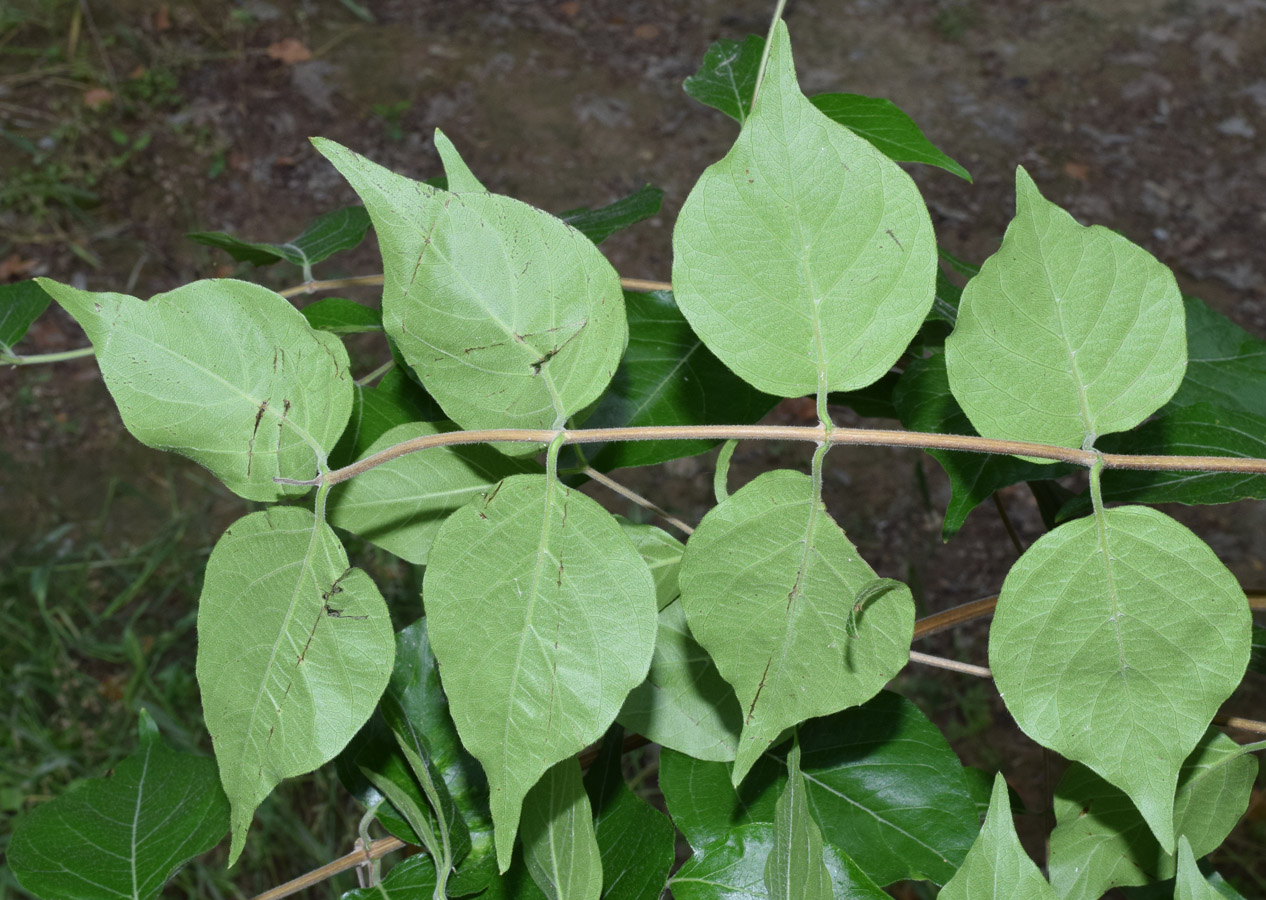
point(226, 373)
point(684, 703)
point(1121, 630)
point(558, 840)
point(400, 505)
point(668, 377)
point(125, 835)
point(997, 868)
point(1100, 841)
point(925, 403)
point(511, 318)
point(1201, 429)
point(539, 642)
point(1067, 333)
point(767, 582)
point(1226, 366)
point(338, 315)
point(1191, 884)
point(599, 224)
point(458, 176)
point(635, 839)
point(795, 867)
point(726, 79)
point(20, 305)
point(885, 125)
point(330, 233)
point(294, 650)
point(883, 783)
point(805, 257)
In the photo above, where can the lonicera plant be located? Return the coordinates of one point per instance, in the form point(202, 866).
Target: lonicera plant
point(756, 654)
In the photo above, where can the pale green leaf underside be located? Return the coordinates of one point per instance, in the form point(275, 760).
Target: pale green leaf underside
point(1115, 639)
point(539, 641)
point(1067, 332)
point(460, 178)
point(511, 318)
point(768, 582)
point(401, 504)
point(559, 845)
point(224, 372)
point(684, 703)
point(123, 836)
point(795, 868)
point(997, 868)
point(662, 553)
point(1191, 883)
point(294, 650)
point(1100, 840)
point(804, 251)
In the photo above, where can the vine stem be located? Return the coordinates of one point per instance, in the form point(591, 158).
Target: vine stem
point(816, 434)
point(34, 359)
point(312, 287)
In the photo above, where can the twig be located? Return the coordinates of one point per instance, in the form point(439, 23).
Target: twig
point(637, 498)
point(377, 373)
point(1006, 523)
point(953, 665)
point(311, 287)
point(376, 850)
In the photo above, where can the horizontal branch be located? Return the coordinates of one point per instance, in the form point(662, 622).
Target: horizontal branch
point(815, 434)
point(312, 287)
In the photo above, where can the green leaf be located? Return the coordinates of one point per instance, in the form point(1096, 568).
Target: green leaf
point(925, 403)
point(330, 233)
point(414, 695)
point(1191, 884)
point(20, 305)
point(1101, 841)
point(1226, 365)
point(884, 124)
point(684, 703)
point(726, 79)
point(767, 582)
point(662, 553)
point(558, 841)
point(884, 785)
point(124, 835)
point(269, 403)
point(635, 839)
point(1121, 630)
point(339, 315)
point(599, 224)
point(457, 175)
point(401, 504)
point(511, 318)
point(395, 400)
point(539, 642)
point(1067, 333)
point(1201, 429)
point(873, 401)
point(795, 867)
point(668, 377)
point(411, 879)
point(733, 868)
point(294, 650)
point(997, 866)
point(805, 258)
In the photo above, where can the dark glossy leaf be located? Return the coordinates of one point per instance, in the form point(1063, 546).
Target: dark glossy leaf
point(636, 841)
point(668, 377)
point(599, 224)
point(125, 835)
point(20, 305)
point(1257, 661)
point(892, 132)
point(411, 879)
point(339, 315)
point(924, 402)
point(1226, 365)
point(395, 400)
point(328, 234)
point(727, 76)
point(884, 785)
point(1198, 430)
point(873, 401)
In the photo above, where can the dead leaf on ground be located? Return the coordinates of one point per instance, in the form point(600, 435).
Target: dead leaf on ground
point(98, 96)
point(14, 267)
point(289, 51)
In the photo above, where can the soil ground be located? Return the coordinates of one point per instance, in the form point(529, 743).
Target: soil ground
point(1148, 116)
